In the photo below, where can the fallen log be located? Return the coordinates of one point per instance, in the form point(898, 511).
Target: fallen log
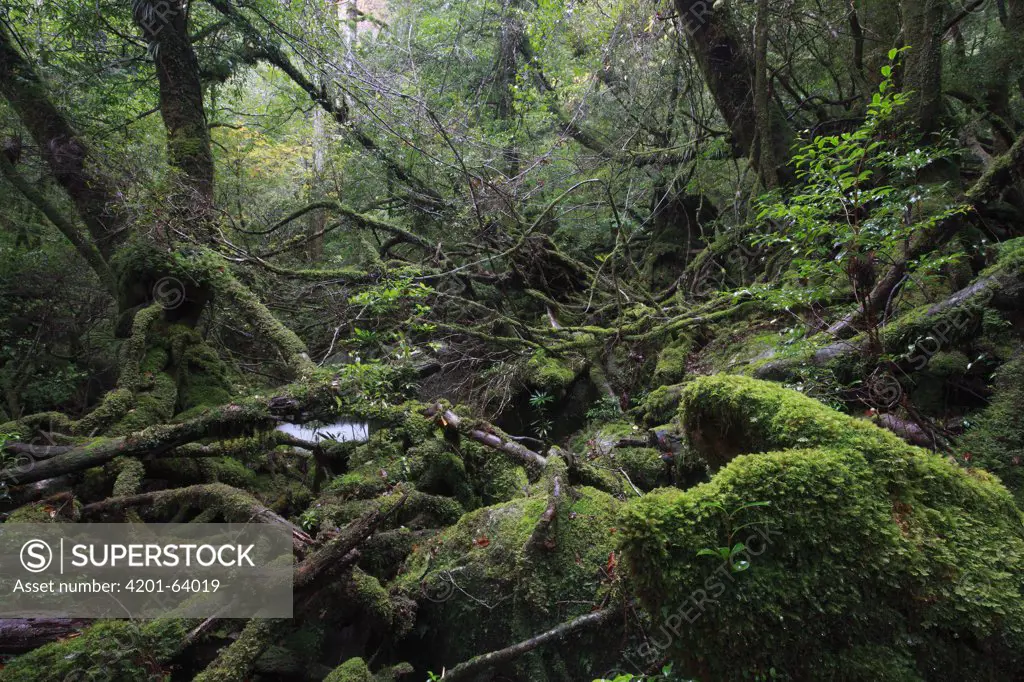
point(18, 635)
point(237, 506)
point(155, 441)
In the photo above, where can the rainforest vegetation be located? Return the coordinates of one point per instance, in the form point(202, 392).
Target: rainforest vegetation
point(569, 339)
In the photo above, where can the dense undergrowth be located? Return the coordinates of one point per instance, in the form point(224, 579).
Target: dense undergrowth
point(662, 356)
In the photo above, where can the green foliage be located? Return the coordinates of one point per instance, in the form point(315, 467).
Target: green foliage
point(666, 675)
point(6, 460)
point(606, 408)
point(730, 551)
point(860, 199)
point(540, 402)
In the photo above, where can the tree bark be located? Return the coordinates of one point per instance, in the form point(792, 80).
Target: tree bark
point(165, 29)
point(922, 68)
point(62, 149)
point(728, 70)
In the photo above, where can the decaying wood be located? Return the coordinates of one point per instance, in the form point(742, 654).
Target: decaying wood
point(18, 635)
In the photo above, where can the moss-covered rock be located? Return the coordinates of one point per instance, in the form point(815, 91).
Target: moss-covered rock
point(724, 416)
point(352, 670)
point(644, 466)
point(546, 372)
point(995, 439)
point(872, 559)
point(661, 404)
point(671, 367)
point(481, 585)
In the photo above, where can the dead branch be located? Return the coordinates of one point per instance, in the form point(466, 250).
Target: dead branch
point(491, 437)
point(468, 669)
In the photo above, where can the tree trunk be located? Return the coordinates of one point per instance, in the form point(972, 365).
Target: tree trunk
point(922, 70)
point(728, 70)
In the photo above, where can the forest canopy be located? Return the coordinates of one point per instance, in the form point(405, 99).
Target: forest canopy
point(566, 339)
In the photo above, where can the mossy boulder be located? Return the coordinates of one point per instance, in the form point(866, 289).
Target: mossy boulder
point(548, 373)
point(725, 415)
point(661, 404)
point(995, 439)
point(352, 670)
point(871, 559)
point(482, 584)
point(644, 466)
point(671, 367)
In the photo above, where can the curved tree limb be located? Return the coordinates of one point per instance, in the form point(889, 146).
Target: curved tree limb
point(62, 149)
point(86, 249)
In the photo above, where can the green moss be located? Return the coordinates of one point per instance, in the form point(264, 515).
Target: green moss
point(421, 510)
point(352, 670)
point(724, 416)
point(369, 596)
point(203, 378)
point(671, 367)
point(129, 476)
point(661, 404)
point(496, 479)
point(948, 364)
point(436, 468)
point(995, 439)
point(604, 435)
point(154, 403)
point(234, 661)
point(229, 470)
point(59, 509)
point(546, 372)
point(872, 555)
point(394, 673)
point(644, 466)
point(135, 360)
point(281, 493)
point(113, 650)
point(114, 406)
point(508, 590)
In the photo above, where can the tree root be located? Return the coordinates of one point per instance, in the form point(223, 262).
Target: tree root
point(543, 536)
point(155, 441)
point(18, 635)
